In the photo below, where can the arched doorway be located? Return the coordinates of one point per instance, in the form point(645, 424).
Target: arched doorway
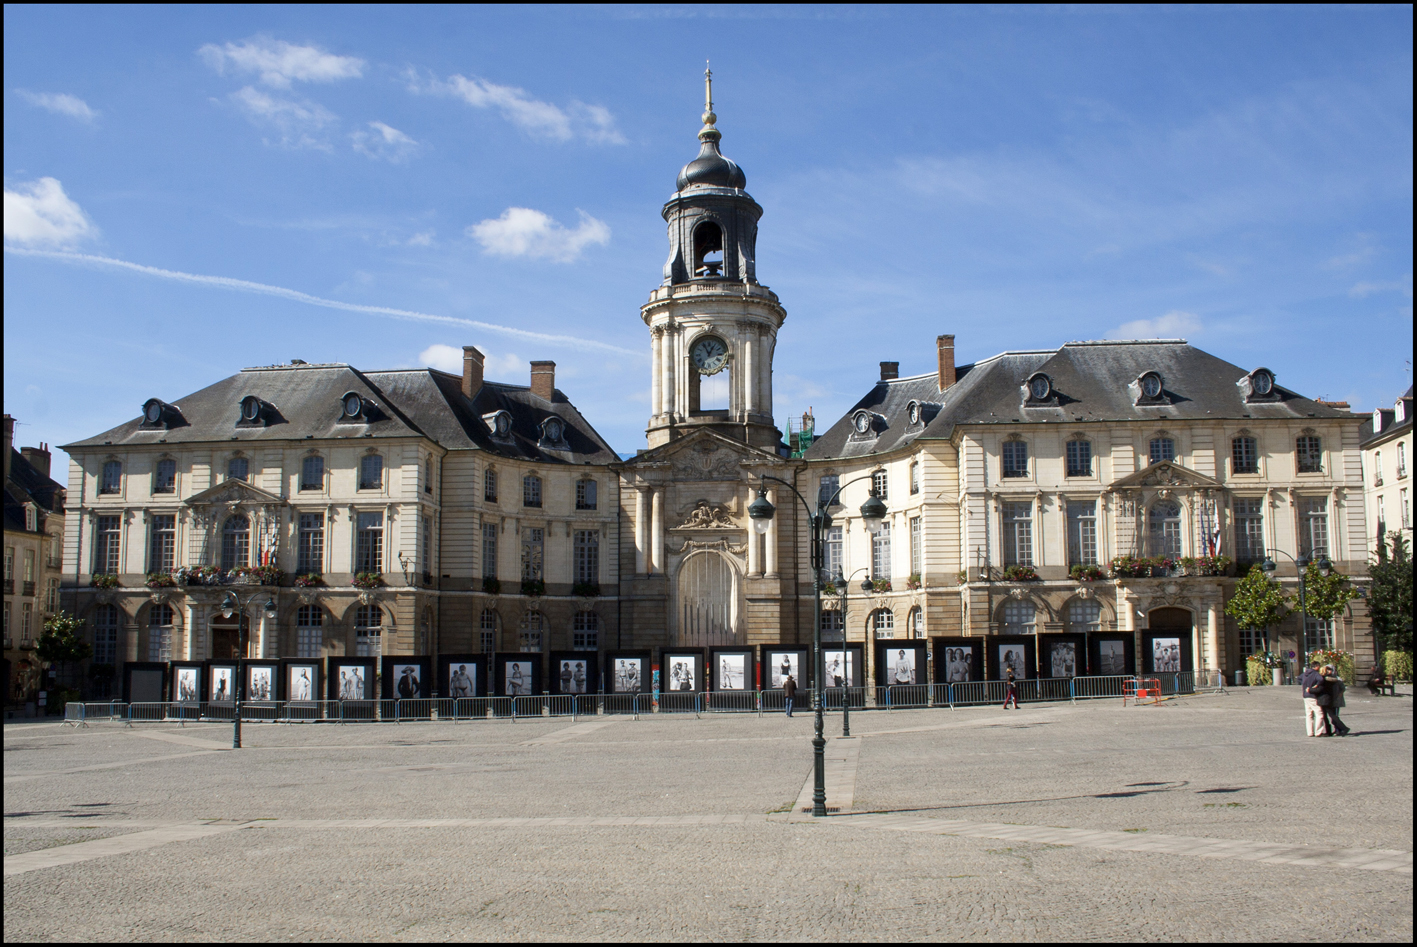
point(707, 602)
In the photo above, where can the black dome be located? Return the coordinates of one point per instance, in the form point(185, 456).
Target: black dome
point(711, 169)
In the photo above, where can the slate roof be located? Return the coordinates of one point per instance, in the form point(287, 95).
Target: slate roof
point(26, 484)
point(419, 402)
point(1090, 383)
point(1391, 427)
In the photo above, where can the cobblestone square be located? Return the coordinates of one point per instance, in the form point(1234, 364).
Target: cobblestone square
point(1203, 818)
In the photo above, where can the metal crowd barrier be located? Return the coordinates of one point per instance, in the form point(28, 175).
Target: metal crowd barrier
point(974, 693)
point(732, 702)
point(903, 696)
point(835, 698)
point(680, 702)
point(1090, 688)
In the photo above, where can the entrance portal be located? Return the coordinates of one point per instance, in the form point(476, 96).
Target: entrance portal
point(707, 603)
point(226, 636)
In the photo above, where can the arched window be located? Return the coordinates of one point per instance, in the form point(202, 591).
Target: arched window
point(165, 476)
point(529, 634)
point(586, 631)
point(105, 634)
point(238, 468)
point(1164, 528)
point(235, 542)
point(883, 623)
point(1018, 617)
point(160, 633)
point(1162, 448)
point(368, 629)
point(487, 631)
point(531, 490)
point(914, 476)
point(708, 250)
point(112, 480)
point(1079, 458)
point(1308, 453)
point(312, 473)
point(489, 485)
point(1084, 616)
point(371, 472)
point(309, 631)
point(915, 621)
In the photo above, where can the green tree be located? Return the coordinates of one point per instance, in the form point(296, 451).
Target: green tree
point(61, 643)
point(1326, 596)
point(1390, 596)
point(1258, 602)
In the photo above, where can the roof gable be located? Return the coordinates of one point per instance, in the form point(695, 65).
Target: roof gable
point(232, 492)
point(1167, 473)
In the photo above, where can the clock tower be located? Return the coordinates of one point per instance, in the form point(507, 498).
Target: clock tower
point(712, 325)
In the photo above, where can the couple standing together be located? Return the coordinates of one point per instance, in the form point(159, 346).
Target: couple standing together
point(1323, 695)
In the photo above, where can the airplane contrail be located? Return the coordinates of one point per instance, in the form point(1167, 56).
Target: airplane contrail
point(264, 289)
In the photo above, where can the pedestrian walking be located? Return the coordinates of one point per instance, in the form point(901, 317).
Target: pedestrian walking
point(1315, 724)
point(789, 691)
point(1332, 699)
point(1010, 690)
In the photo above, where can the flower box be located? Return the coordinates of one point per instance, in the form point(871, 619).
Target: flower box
point(491, 585)
point(586, 589)
point(913, 583)
point(160, 580)
point(367, 580)
point(105, 580)
point(1086, 574)
point(533, 587)
point(1020, 574)
point(880, 585)
point(308, 580)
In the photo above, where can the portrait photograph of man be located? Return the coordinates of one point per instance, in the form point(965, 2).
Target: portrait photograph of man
point(408, 682)
point(732, 672)
point(900, 666)
point(1063, 659)
point(351, 681)
point(839, 668)
point(683, 671)
point(1111, 657)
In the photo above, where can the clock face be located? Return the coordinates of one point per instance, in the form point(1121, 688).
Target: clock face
point(709, 355)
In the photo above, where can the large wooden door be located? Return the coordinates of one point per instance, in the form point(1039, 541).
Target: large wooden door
point(226, 637)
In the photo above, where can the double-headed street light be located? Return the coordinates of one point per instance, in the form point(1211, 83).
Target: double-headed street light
point(873, 515)
point(841, 582)
point(1325, 567)
point(231, 605)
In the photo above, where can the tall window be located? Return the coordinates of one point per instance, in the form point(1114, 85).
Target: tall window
point(107, 544)
point(917, 551)
point(531, 490)
point(312, 473)
point(914, 477)
point(426, 547)
point(1249, 529)
point(832, 627)
point(881, 553)
point(1308, 454)
point(487, 631)
point(834, 561)
point(915, 623)
point(1018, 533)
point(310, 548)
point(1318, 634)
point(369, 543)
point(1313, 527)
point(489, 485)
point(51, 596)
point(371, 472)
point(489, 550)
point(1082, 532)
point(9, 569)
point(1084, 615)
point(1244, 455)
point(1401, 459)
point(368, 630)
point(238, 468)
point(826, 489)
point(309, 631)
point(1382, 519)
point(1378, 468)
point(880, 484)
point(883, 623)
point(105, 634)
point(1079, 458)
point(1164, 528)
point(585, 631)
point(533, 553)
point(586, 555)
point(1251, 641)
point(530, 631)
point(235, 542)
point(1015, 458)
point(586, 495)
point(1406, 508)
point(162, 545)
point(1162, 448)
point(112, 479)
point(428, 475)
point(26, 621)
point(29, 571)
point(160, 633)
point(1018, 618)
point(165, 476)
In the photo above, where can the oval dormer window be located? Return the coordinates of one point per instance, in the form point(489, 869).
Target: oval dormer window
point(153, 412)
point(502, 424)
point(250, 408)
point(912, 411)
point(862, 422)
point(1262, 382)
point(1039, 387)
point(1151, 385)
point(353, 405)
point(553, 430)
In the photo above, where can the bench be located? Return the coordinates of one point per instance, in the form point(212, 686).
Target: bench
point(1379, 685)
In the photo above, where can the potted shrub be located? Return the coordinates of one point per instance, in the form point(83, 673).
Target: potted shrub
point(1020, 574)
point(913, 582)
point(1086, 574)
point(105, 580)
point(308, 580)
point(367, 580)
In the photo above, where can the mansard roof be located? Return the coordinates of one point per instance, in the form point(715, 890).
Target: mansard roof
point(28, 485)
point(1090, 381)
point(304, 402)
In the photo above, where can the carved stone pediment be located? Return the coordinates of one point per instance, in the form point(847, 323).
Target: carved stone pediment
point(1167, 474)
point(718, 545)
point(706, 515)
point(233, 492)
point(706, 461)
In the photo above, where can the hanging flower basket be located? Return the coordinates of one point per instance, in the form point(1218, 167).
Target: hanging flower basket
point(533, 587)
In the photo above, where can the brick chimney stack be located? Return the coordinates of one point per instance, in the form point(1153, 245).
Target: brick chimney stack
point(543, 379)
point(890, 370)
point(9, 444)
point(38, 457)
point(471, 370)
point(946, 345)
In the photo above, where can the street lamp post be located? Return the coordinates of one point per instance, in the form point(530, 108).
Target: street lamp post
point(873, 513)
point(231, 605)
point(1301, 563)
point(841, 582)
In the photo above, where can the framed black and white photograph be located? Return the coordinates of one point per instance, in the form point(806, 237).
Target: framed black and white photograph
point(186, 682)
point(1062, 655)
point(462, 675)
point(1166, 652)
point(351, 678)
point(627, 672)
point(144, 682)
point(842, 665)
point(900, 661)
point(300, 679)
point(731, 669)
point(681, 672)
point(260, 682)
point(958, 660)
point(1011, 651)
point(1110, 655)
point(780, 661)
point(406, 677)
point(1011, 658)
point(518, 675)
point(574, 672)
point(221, 683)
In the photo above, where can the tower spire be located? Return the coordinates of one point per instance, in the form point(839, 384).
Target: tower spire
point(708, 132)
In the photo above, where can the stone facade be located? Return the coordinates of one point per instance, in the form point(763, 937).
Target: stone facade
point(34, 541)
point(1387, 452)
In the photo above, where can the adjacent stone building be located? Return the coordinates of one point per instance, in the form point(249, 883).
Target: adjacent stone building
point(34, 540)
point(1387, 447)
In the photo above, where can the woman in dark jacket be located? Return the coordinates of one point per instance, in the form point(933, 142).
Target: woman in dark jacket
point(1330, 699)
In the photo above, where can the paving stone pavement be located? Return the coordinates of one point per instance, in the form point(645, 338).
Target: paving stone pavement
point(1206, 818)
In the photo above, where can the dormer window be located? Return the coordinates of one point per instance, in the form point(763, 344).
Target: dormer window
point(1258, 385)
point(499, 423)
point(256, 413)
point(356, 409)
point(1151, 385)
point(863, 425)
point(1040, 386)
point(553, 433)
point(1149, 388)
point(912, 412)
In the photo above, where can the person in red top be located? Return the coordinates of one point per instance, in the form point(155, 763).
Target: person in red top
point(1010, 690)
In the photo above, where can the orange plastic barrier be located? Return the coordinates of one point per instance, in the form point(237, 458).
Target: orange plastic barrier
point(1139, 689)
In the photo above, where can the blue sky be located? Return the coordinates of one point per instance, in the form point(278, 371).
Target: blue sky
point(191, 190)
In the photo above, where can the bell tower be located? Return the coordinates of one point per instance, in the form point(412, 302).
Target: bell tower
point(712, 325)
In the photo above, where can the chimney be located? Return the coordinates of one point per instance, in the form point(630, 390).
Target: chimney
point(9, 444)
point(1340, 405)
point(946, 344)
point(471, 370)
point(890, 370)
point(38, 457)
point(543, 379)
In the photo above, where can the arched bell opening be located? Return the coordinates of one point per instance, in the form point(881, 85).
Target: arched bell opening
point(708, 250)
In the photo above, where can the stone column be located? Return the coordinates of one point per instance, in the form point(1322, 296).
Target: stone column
point(657, 373)
point(1212, 635)
point(747, 380)
point(189, 629)
point(263, 648)
point(669, 354)
point(770, 567)
point(1128, 616)
point(755, 561)
point(641, 531)
point(657, 530)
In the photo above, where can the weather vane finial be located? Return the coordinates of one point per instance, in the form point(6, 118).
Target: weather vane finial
point(708, 131)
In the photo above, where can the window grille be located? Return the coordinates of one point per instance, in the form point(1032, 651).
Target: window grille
point(426, 546)
point(1249, 529)
point(1082, 532)
point(826, 490)
point(1401, 459)
point(530, 631)
point(1164, 527)
point(51, 596)
point(1406, 509)
point(309, 631)
point(915, 623)
point(165, 476)
point(1018, 533)
point(1015, 458)
point(1018, 618)
point(369, 543)
point(489, 485)
point(160, 633)
point(1244, 455)
point(883, 623)
point(1308, 453)
point(112, 480)
point(312, 473)
point(1162, 448)
point(487, 628)
point(1251, 642)
point(585, 632)
point(1079, 458)
point(162, 548)
point(26, 621)
point(238, 468)
point(586, 495)
point(880, 484)
point(428, 475)
point(1084, 616)
point(914, 477)
point(917, 552)
point(586, 552)
point(235, 542)
point(1313, 527)
point(834, 561)
point(1318, 634)
point(533, 553)
point(368, 631)
point(531, 490)
point(489, 550)
point(310, 549)
point(881, 553)
point(107, 544)
point(832, 628)
point(371, 472)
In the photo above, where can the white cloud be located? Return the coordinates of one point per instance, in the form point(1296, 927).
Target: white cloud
point(60, 103)
point(1173, 325)
point(521, 231)
point(279, 62)
point(424, 239)
point(594, 123)
point(448, 358)
point(384, 142)
point(41, 214)
point(298, 122)
point(1365, 289)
